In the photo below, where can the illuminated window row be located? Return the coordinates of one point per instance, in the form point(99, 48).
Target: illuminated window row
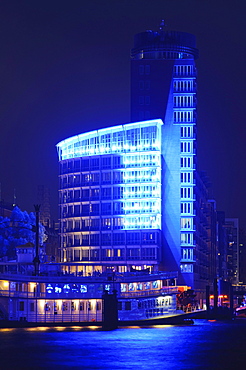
point(76, 255)
point(186, 192)
point(152, 175)
point(186, 268)
point(184, 70)
point(94, 163)
point(121, 176)
point(151, 191)
point(140, 136)
point(187, 162)
point(183, 86)
point(109, 254)
point(108, 238)
point(97, 208)
point(152, 221)
point(111, 223)
point(187, 254)
point(186, 208)
point(141, 160)
point(187, 147)
point(103, 193)
point(183, 101)
point(187, 132)
point(186, 238)
point(186, 223)
point(186, 177)
point(143, 206)
point(183, 116)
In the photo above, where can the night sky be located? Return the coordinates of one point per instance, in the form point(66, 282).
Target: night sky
point(65, 69)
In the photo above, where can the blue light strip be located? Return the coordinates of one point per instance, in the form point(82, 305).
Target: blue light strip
point(132, 137)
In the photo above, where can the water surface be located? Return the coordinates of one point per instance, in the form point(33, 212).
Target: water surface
point(204, 345)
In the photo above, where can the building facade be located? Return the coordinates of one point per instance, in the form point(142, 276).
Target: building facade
point(130, 195)
point(110, 197)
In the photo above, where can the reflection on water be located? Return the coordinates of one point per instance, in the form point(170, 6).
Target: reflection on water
point(204, 345)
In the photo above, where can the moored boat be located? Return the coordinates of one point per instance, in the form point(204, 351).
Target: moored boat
point(57, 297)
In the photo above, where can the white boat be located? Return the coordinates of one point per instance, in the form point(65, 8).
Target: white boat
point(57, 297)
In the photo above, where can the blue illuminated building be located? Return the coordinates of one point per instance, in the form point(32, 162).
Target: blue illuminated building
point(131, 197)
point(111, 197)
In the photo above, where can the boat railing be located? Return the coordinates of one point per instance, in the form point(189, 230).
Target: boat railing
point(50, 296)
point(48, 272)
point(54, 317)
point(148, 293)
point(188, 309)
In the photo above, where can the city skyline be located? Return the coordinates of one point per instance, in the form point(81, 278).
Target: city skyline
point(63, 71)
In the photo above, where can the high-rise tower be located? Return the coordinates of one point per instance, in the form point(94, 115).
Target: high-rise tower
point(163, 85)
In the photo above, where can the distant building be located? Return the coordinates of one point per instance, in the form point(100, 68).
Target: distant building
point(232, 232)
point(228, 249)
point(242, 256)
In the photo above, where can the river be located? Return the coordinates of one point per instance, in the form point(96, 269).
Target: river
point(204, 345)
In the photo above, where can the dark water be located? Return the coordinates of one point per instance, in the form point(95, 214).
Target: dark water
point(204, 345)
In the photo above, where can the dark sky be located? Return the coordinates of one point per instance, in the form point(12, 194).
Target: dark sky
point(65, 69)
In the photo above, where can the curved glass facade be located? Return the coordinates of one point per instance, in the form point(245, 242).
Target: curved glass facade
point(111, 195)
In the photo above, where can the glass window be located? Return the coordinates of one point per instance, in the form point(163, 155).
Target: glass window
point(133, 253)
point(94, 163)
point(106, 208)
point(133, 238)
point(106, 162)
point(94, 208)
point(94, 239)
point(119, 238)
point(85, 164)
point(94, 254)
point(76, 255)
point(85, 239)
point(106, 177)
point(95, 223)
point(106, 193)
point(141, 85)
point(149, 238)
point(106, 238)
point(141, 69)
point(106, 223)
point(147, 69)
point(186, 238)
